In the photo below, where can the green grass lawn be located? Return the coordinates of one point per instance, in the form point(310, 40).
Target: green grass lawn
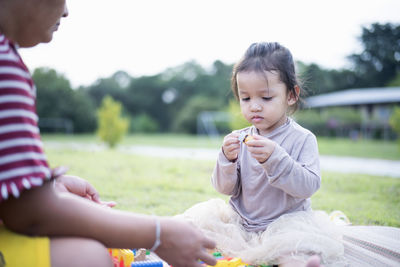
point(361, 148)
point(164, 140)
point(169, 186)
point(327, 146)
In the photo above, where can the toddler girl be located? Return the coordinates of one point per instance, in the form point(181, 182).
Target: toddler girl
point(270, 176)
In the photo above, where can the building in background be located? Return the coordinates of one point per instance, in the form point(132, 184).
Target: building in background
point(374, 104)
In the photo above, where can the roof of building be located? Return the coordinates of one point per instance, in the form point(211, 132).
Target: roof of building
point(360, 96)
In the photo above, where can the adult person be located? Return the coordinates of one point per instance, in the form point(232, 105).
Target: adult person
point(50, 218)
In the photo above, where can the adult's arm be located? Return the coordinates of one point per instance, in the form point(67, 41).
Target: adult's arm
point(46, 211)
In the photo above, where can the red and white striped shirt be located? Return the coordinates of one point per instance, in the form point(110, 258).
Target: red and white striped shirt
point(23, 164)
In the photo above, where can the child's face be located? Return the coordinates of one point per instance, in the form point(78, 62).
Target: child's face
point(38, 20)
point(264, 104)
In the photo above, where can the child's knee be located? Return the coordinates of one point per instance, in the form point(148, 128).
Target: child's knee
point(78, 252)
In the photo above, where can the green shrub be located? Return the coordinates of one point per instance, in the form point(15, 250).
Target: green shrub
point(344, 115)
point(310, 119)
point(395, 81)
point(112, 127)
point(394, 121)
point(338, 121)
point(143, 123)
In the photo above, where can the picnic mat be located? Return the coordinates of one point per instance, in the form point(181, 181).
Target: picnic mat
point(371, 245)
point(366, 246)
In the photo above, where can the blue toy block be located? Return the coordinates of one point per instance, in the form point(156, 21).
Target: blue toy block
point(147, 264)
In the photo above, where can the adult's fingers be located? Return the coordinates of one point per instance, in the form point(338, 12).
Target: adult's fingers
point(207, 258)
point(110, 204)
point(198, 264)
point(92, 192)
point(209, 243)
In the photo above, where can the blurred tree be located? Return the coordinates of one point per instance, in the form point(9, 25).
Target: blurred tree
point(237, 121)
point(160, 99)
point(186, 121)
point(112, 127)
point(143, 123)
point(380, 61)
point(84, 115)
point(115, 86)
point(185, 81)
point(56, 100)
point(145, 96)
point(316, 80)
point(207, 90)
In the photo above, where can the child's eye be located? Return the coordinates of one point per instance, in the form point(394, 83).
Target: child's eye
point(267, 98)
point(245, 98)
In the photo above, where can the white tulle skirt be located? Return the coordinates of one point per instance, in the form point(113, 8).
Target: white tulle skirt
point(294, 236)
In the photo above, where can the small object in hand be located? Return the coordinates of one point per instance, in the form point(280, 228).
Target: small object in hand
point(248, 138)
point(244, 137)
point(140, 255)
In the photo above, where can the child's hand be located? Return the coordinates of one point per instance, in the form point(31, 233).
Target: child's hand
point(260, 148)
point(80, 187)
point(231, 146)
point(183, 245)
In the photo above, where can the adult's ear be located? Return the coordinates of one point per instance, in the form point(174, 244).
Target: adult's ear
point(293, 98)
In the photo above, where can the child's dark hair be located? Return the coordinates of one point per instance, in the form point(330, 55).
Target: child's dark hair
point(261, 57)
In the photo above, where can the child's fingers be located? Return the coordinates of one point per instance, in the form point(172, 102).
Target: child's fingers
point(231, 140)
point(257, 149)
point(258, 137)
point(232, 148)
point(256, 143)
point(234, 134)
point(232, 144)
point(232, 137)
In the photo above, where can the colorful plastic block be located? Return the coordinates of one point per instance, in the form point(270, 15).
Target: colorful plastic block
point(147, 264)
point(127, 256)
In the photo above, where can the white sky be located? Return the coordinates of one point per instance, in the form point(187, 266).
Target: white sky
point(100, 37)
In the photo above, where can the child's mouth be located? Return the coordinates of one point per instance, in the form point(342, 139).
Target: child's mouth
point(257, 119)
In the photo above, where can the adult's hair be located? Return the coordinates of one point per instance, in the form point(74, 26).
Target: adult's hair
point(262, 57)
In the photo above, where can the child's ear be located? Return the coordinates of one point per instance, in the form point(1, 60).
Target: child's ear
point(292, 98)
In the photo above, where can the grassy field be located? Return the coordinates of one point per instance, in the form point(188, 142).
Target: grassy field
point(327, 146)
point(169, 186)
point(361, 148)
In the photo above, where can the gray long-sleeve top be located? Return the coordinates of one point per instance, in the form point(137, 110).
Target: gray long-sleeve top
point(260, 193)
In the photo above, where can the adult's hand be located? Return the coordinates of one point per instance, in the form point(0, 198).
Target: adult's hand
point(80, 187)
point(183, 245)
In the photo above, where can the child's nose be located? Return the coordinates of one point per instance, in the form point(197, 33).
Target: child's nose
point(255, 107)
